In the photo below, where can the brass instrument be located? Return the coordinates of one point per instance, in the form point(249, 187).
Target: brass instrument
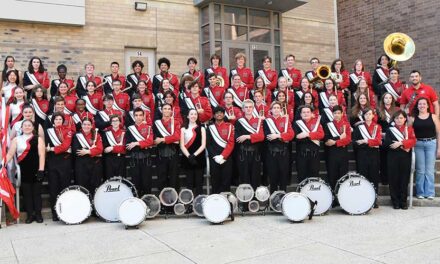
point(220, 81)
point(323, 72)
point(399, 47)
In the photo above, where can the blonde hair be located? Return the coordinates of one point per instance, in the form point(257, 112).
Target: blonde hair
point(240, 55)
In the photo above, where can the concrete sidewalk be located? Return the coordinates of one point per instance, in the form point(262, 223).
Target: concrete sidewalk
point(383, 236)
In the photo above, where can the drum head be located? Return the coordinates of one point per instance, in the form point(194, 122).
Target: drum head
point(262, 193)
point(153, 205)
point(198, 204)
point(109, 196)
point(179, 209)
point(73, 205)
point(132, 211)
point(232, 199)
point(275, 200)
point(126, 182)
point(296, 206)
point(186, 196)
point(244, 193)
point(356, 195)
point(254, 206)
point(168, 196)
point(216, 208)
point(318, 190)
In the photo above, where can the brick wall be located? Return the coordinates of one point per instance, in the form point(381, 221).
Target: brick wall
point(363, 25)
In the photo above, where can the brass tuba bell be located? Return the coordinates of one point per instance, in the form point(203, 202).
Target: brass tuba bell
point(323, 72)
point(220, 81)
point(399, 46)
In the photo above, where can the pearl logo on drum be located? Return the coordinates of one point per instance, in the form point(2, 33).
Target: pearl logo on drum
point(110, 189)
point(355, 183)
point(314, 188)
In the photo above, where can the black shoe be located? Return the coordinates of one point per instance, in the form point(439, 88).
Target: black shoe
point(404, 207)
point(55, 218)
point(39, 218)
point(396, 206)
point(29, 220)
point(376, 205)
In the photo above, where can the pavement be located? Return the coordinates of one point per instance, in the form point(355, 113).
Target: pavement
point(383, 235)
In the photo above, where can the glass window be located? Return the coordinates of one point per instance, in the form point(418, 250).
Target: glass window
point(276, 20)
point(217, 13)
point(277, 37)
point(235, 33)
point(259, 18)
point(205, 33)
point(232, 52)
point(235, 15)
point(218, 48)
point(277, 58)
point(217, 31)
point(260, 35)
point(258, 56)
point(205, 55)
point(205, 15)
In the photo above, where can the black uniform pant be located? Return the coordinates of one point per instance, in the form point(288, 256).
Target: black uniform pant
point(32, 198)
point(249, 167)
point(337, 164)
point(221, 175)
point(167, 176)
point(307, 163)
point(278, 168)
point(383, 165)
point(59, 172)
point(114, 165)
point(367, 160)
point(399, 169)
point(141, 171)
point(194, 180)
point(88, 173)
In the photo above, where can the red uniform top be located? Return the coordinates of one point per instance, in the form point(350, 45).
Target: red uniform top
point(177, 114)
point(56, 83)
point(366, 76)
point(295, 75)
point(122, 100)
point(339, 95)
point(146, 132)
point(345, 80)
point(96, 100)
point(410, 138)
point(240, 94)
point(272, 76)
point(220, 72)
point(203, 103)
point(85, 114)
point(96, 145)
point(377, 140)
point(119, 77)
point(148, 101)
point(197, 74)
point(411, 95)
point(120, 140)
point(398, 87)
point(290, 97)
point(215, 94)
point(69, 123)
point(226, 132)
point(246, 76)
point(174, 81)
point(134, 78)
point(43, 79)
point(43, 104)
point(64, 134)
point(262, 109)
point(70, 83)
point(300, 93)
point(319, 133)
point(343, 126)
point(282, 122)
point(70, 102)
point(233, 111)
point(257, 124)
point(98, 82)
point(172, 138)
point(112, 111)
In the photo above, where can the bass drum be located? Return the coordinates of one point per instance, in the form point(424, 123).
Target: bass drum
point(216, 208)
point(132, 211)
point(153, 205)
point(73, 205)
point(296, 206)
point(318, 191)
point(355, 193)
point(109, 196)
point(275, 200)
point(198, 204)
point(232, 199)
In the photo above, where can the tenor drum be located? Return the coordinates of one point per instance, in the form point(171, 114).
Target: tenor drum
point(153, 205)
point(296, 206)
point(198, 204)
point(275, 200)
point(179, 209)
point(318, 191)
point(254, 206)
point(73, 205)
point(232, 199)
point(186, 196)
point(355, 193)
point(132, 211)
point(262, 193)
point(244, 193)
point(216, 208)
point(168, 196)
point(109, 196)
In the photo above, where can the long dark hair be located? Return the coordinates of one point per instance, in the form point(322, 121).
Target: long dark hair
point(357, 106)
point(147, 91)
point(91, 131)
point(415, 110)
point(382, 114)
point(333, 69)
point(5, 68)
point(17, 82)
point(31, 68)
point(186, 119)
point(43, 90)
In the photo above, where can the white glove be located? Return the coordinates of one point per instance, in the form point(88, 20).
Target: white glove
point(219, 159)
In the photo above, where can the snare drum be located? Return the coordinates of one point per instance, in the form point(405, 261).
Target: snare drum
point(355, 193)
point(244, 193)
point(168, 196)
point(73, 205)
point(179, 209)
point(275, 200)
point(262, 193)
point(132, 211)
point(153, 205)
point(216, 208)
point(109, 196)
point(318, 191)
point(296, 206)
point(198, 204)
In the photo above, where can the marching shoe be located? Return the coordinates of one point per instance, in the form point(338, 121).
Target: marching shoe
point(29, 220)
point(404, 206)
point(395, 206)
point(39, 218)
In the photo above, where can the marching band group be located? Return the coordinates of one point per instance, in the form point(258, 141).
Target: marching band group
point(92, 129)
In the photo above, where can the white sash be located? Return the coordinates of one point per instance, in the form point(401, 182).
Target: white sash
point(82, 141)
point(57, 82)
point(387, 116)
point(364, 132)
point(354, 78)
point(76, 118)
point(38, 110)
point(264, 76)
point(255, 112)
point(304, 128)
point(245, 124)
point(234, 72)
point(32, 78)
point(285, 74)
point(83, 81)
point(134, 78)
point(211, 97)
point(131, 113)
point(89, 105)
point(109, 80)
point(160, 78)
point(67, 111)
point(397, 134)
point(111, 139)
point(136, 134)
point(329, 114)
point(145, 108)
point(300, 94)
point(272, 127)
point(216, 136)
point(53, 137)
point(104, 116)
point(237, 100)
point(333, 130)
point(310, 75)
point(162, 130)
point(189, 103)
point(324, 99)
point(390, 90)
point(210, 71)
point(117, 107)
point(381, 74)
